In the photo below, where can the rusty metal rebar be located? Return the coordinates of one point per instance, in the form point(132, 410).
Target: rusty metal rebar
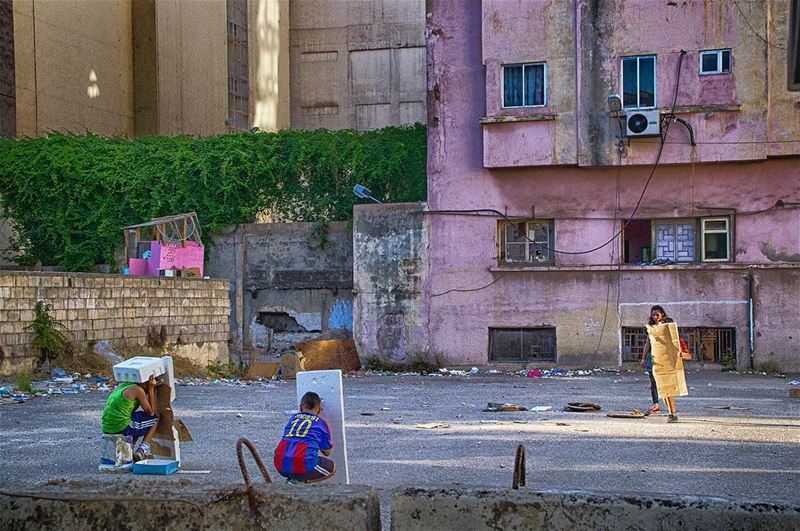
point(519, 468)
point(251, 499)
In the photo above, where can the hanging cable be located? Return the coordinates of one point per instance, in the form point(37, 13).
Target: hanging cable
point(630, 217)
point(741, 13)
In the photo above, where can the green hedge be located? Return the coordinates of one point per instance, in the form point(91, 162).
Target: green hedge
point(69, 196)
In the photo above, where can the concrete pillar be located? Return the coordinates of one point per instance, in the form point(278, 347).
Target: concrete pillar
point(145, 68)
point(268, 58)
point(8, 96)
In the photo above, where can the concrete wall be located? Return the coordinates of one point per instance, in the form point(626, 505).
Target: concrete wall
point(390, 261)
point(117, 67)
point(574, 302)
point(73, 66)
point(91, 66)
point(457, 509)
point(186, 505)
point(194, 313)
point(192, 67)
point(303, 270)
point(588, 203)
point(357, 64)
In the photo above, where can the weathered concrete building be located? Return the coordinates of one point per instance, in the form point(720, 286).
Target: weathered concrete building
point(557, 215)
point(521, 124)
point(288, 281)
point(141, 67)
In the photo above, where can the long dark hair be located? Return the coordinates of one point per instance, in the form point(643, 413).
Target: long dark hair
point(658, 308)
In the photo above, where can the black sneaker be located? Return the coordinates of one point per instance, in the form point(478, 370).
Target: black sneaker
point(139, 455)
point(673, 418)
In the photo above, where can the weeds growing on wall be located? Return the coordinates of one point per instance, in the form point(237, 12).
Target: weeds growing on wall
point(49, 334)
point(69, 196)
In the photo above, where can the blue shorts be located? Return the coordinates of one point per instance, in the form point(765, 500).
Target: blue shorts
point(140, 424)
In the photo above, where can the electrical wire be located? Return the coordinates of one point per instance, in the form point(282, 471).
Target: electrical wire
point(737, 142)
point(616, 234)
point(467, 290)
point(613, 224)
point(632, 214)
point(739, 9)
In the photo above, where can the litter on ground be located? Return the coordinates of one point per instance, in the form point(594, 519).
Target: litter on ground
point(582, 407)
point(495, 406)
point(432, 426)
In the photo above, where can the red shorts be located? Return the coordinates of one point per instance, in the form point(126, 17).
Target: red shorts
point(324, 469)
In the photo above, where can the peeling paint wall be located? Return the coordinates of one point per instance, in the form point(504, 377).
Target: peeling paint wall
point(289, 281)
point(390, 258)
point(744, 115)
point(477, 160)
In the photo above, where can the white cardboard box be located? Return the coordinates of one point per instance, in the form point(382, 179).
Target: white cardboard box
point(138, 369)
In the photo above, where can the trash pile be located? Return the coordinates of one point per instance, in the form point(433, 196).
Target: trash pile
point(229, 382)
point(59, 384)
point(475, 371)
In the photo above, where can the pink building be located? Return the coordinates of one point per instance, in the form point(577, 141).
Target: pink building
point(519, 125)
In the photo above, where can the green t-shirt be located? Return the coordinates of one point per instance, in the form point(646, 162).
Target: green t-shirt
point(118, 410)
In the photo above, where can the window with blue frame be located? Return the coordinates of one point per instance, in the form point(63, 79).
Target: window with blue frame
point(525, 85)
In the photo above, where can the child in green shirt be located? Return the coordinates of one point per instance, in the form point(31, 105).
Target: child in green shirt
point(120, 415)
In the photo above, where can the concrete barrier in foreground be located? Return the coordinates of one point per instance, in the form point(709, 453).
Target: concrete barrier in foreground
point(178, 505)
point(474, 509)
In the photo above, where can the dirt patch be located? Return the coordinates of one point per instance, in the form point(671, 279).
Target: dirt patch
point(186, 368)
point(87, 361)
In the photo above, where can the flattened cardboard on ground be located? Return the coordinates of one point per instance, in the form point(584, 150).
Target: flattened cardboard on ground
point(321, 354)
point(263, 369)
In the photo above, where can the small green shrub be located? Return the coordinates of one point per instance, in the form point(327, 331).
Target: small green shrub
point(420, 363)
point(218, 370)
point(770, 367)
point(373, 364)
point(49, 335)
point(728, 360)
point(23, 381)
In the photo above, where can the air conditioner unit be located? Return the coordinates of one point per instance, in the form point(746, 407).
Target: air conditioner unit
point(642, 123)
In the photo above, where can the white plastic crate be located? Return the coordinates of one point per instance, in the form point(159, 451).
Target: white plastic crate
point(138, 369)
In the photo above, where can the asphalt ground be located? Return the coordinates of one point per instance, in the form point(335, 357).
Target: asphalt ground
point(750, 454)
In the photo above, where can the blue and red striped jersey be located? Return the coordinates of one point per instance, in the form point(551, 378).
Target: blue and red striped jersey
point(303, 437)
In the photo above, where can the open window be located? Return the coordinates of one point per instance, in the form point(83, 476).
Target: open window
point(677, 241)
point(527, 242)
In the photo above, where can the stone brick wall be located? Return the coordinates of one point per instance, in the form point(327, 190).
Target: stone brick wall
point(192, 312)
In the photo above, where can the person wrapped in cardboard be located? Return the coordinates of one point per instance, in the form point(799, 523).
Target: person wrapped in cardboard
point(667, 356)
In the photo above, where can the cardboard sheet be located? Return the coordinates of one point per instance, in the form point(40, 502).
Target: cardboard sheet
point(328, 385)
point(668, 371)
